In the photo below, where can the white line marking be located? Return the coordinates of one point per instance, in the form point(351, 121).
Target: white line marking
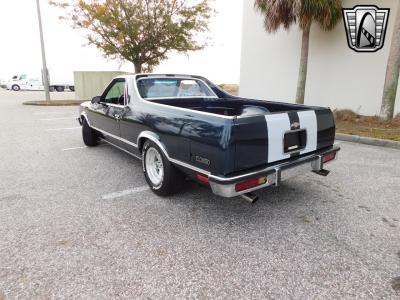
point(60, 129)
point(126, 192)
point(55, 119)
point(75, 148)
point(83, 147)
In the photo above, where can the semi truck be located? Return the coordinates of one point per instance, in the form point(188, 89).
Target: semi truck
point(24, 82)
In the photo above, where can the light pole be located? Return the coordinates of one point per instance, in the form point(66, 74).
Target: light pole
point(45, 72)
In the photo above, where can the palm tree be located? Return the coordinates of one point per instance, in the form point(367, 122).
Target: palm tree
point(392, 73)
point(327, 13)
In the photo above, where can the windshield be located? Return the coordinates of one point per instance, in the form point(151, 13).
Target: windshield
point(154, 88)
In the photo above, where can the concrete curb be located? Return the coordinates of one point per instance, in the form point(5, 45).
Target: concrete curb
point(368, 141)
point(54, 103)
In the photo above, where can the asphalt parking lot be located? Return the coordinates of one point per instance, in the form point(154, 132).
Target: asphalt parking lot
point(80, 223)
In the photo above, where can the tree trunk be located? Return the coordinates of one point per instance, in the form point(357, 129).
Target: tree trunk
point(392, 73)
point(301, 84)
point(138, 67)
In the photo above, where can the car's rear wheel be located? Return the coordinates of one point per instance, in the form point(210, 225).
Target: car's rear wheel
point(16, 87)
point(162, 177)
point(89, 135)
point(60, 89)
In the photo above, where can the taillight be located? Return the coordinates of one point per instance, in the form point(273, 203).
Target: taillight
point(329, 157)
point(248, 184)
point(202, 178)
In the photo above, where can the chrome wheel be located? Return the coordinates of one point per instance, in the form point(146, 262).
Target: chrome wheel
point(154, 166)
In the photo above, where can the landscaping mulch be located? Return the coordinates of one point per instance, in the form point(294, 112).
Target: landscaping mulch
point(348, 122)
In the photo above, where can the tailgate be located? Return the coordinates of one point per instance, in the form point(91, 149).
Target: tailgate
point(273, 137)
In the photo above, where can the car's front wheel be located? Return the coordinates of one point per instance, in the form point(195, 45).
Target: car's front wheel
point(89, 135)
point(162, 177)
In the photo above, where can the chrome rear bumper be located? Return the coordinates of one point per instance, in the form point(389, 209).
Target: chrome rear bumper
point(225, 186)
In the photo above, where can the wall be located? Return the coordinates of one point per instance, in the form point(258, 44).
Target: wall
point(338, 77)
point(91, 84)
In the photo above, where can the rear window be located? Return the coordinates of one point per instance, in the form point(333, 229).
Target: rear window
point(154, 88)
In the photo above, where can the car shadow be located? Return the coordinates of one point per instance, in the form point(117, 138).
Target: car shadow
point(293, 198)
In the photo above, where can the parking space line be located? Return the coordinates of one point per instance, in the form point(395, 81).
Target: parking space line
point(75, 148)
point(60, 129)
point(55, 119)
point(82, 147)
point(126, 192)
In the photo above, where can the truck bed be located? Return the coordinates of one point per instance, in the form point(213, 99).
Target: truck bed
point(260, 128)
point(232, 106)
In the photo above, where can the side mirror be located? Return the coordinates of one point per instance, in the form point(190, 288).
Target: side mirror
point(96, 99)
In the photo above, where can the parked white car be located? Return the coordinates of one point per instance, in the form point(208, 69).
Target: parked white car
point(30, 83)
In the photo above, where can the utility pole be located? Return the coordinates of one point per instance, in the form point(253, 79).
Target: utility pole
point(45, 72)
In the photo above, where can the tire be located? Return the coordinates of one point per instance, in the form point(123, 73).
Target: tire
point(72, 88)
point(16, 88)
point(170, 181)
point(89, 135)
point(60, 88)
point(51, 88)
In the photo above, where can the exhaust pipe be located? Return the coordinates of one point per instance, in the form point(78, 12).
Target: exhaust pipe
point(322, 172)
point(250, 197)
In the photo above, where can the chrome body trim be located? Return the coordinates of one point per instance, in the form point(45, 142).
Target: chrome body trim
point(114, 105)
point(275, 175)
point(286, 165)
point(182, 78)
point(297, 149)
point(154, 138)
point(139, 98)
point(107, 133)
point(122, 149)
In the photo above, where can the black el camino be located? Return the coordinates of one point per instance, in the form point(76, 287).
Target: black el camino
point(185, 127)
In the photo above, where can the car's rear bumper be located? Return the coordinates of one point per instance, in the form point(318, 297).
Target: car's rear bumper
point(274, 175)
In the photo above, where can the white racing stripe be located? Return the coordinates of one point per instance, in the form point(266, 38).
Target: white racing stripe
point(126, 192)
point(60, 129)
point(277, 124)
point(308, 121)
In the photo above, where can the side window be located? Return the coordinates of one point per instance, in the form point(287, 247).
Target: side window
point(23, 77)
point(115, 94)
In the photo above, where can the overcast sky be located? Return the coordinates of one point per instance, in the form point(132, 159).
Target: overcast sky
point(20, 45)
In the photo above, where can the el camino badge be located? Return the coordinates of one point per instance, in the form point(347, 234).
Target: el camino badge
point(202, 160)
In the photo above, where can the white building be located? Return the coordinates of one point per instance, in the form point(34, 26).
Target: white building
point(338, 77)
